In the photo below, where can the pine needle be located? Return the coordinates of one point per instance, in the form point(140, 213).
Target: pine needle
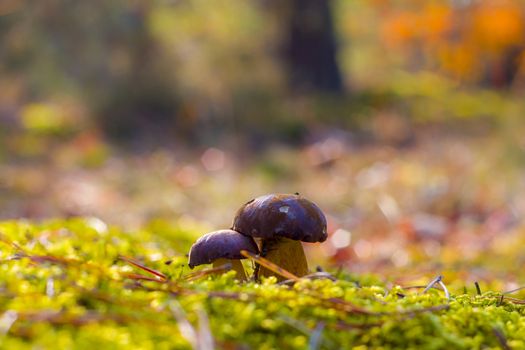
point(143, 267)
point(269, 265)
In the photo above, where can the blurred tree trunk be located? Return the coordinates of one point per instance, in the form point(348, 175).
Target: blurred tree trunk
point(502, 72)
point(310, 48)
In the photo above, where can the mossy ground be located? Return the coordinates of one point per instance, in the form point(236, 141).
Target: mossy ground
point(78, 284)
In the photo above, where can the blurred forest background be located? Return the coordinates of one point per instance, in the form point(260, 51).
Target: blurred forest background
point(403, 119)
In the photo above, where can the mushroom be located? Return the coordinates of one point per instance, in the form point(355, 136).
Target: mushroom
point(220, 248)
point(281, 222)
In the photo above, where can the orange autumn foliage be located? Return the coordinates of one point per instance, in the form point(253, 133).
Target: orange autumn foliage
point(497, 25)
point(464, 42)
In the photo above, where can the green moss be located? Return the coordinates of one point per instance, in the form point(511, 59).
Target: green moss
point(63, 285)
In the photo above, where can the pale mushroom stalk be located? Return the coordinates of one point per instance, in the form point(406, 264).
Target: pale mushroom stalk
point(280, 222)
point(286, 253)
point(235, 265)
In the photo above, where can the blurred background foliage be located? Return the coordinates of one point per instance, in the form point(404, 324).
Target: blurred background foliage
point(401, 118)
point(200, 73)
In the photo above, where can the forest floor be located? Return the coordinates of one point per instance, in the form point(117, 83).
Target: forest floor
point(445, 204)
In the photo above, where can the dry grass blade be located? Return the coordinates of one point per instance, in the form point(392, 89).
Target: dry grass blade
point(5, 240)
point(143, 267)
point(346, 306)
point(316, 336)
point(199, 274)
point(418, 287)
point(205, 337)
point(6, 321)
point(232, 295)
point(447, 294)
point(301, 327)
point(63, 318)
point(321, 275)
point(515, 301)
point(422, 310)
point(502, 340)
point(312, 276)
point(70, 263)
point(40, 259)
point(432, 283)
point(139, 277)
point(437, 280)
point(269, 265)
point(185, 327)
point(514, 290)
point(51, 259)
point(344, 326)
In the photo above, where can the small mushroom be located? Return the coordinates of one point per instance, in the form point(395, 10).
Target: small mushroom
point(281, 222)
point(220, 248)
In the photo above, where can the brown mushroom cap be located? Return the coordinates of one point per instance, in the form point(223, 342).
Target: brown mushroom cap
point(281, 215)
point(225, 244)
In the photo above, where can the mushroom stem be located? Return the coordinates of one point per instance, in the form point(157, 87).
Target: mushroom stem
point(285, 253)
point(235, 264)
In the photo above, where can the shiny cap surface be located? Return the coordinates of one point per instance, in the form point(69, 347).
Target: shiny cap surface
point(281, 215)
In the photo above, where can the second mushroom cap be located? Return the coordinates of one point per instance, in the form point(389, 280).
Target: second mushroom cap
point(222, 244)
